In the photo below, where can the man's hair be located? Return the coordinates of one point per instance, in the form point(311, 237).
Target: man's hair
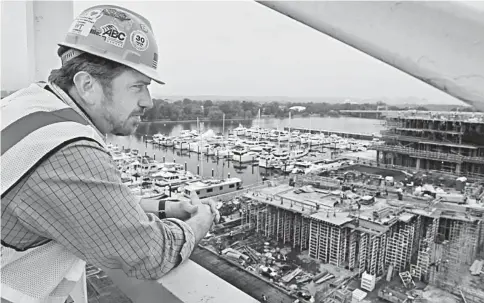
point(101, 69)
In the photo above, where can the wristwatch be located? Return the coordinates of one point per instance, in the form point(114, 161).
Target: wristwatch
point(161, 210)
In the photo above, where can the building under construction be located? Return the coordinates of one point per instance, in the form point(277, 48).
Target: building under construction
point(449, 141)
point(431, 242)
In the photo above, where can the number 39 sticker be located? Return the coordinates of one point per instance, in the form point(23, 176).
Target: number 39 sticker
point(139, 40)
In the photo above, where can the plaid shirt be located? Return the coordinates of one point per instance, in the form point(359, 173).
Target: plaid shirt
point(76, 198)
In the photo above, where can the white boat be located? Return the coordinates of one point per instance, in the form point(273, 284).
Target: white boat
point(170, 167)
point(266, 160)
point(181, 144)
point(223, 152)
point(298, 153)
point(168, 142)
point(243, 154)
point(300, 167)
point(281, 155)
point(210, 188)
point(173, 179)
point(240, 130)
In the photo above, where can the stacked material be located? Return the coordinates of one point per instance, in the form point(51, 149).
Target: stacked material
point(476, 267)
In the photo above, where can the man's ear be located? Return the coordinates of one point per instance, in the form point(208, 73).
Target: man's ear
point(88, 88)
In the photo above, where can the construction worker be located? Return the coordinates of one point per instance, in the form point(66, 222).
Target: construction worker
point(63, 202)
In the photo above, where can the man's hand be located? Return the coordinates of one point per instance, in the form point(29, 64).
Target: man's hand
point(182, 210)
point(211, 203)
point(213, 208)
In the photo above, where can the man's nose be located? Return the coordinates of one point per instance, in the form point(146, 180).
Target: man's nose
point(146, 102)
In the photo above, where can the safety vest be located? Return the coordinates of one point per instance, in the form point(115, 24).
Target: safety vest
point(35, 124)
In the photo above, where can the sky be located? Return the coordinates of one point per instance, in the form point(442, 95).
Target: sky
point(241, 48)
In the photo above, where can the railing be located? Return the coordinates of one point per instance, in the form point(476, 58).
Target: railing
point(425, 140)
point(189, 283)
point(470, 117)
point(469, 175)
point(428, 154)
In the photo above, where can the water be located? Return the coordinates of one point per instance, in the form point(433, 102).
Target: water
point(222, 168)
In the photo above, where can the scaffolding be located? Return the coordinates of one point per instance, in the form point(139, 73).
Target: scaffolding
point(363, 252)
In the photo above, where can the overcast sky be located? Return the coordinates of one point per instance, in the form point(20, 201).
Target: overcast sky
point(242, 48)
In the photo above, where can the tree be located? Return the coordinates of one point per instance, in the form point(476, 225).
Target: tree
point(214, 113)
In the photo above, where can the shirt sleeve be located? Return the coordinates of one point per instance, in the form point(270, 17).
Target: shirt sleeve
point(76, 198)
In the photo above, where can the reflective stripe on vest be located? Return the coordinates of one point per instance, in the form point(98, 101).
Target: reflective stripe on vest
point(34, 123)
point(37, 123)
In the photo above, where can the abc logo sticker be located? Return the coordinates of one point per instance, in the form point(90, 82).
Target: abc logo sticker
point(139, 41)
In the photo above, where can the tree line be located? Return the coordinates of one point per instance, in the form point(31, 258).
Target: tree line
point(187, 109)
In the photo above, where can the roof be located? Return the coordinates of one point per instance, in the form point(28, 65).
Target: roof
point(336, 218)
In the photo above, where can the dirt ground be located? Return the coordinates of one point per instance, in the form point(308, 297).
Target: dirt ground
point(437, 295)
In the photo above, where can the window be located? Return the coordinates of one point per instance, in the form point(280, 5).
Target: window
point(198, 192)
point(231, 186)
point(209, 190)
point(221, 187)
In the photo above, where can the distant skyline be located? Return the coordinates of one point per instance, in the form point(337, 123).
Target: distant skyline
point(241, 48)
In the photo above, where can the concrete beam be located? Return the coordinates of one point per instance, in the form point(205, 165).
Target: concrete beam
point(31, 31)
point(440, 43)
point(189, 283)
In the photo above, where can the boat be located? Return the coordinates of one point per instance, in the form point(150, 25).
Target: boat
point(240, 130)
point(243, 154)
point(212, 187)
point(173, 179)
point(266, 160)
point(298, 153)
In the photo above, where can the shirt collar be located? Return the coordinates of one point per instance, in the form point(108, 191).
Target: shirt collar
point(64, 97)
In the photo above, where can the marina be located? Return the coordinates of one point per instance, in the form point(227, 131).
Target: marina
point(324, 216)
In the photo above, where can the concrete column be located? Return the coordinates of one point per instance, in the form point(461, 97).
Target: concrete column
point(29, 46)
point(377, 157)
point(418, 164)
point(458, 168)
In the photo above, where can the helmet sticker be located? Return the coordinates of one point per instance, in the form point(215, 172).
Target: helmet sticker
point(139, 40)
point(155, 60)
point(82, 25)
point(111, 12)
point(113, 35)
point(143, 27)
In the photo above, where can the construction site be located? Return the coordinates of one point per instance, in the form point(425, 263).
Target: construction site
point(441, 141)
point(361, 237)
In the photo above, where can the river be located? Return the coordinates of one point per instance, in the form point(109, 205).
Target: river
point(220, 168)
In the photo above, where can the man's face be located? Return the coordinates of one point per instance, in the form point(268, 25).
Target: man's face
point(125, 102)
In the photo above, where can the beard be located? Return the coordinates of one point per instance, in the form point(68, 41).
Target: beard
point(120, 125)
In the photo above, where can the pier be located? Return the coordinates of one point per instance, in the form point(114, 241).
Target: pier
point(360, 136)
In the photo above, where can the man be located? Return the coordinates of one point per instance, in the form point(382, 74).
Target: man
point(63, 202)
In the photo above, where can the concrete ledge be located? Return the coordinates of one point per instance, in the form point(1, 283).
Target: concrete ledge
point(189, 283)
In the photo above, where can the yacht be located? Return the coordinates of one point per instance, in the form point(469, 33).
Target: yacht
point(266, 160)
point(300, 167)
point(168, 142)
point(181, 144)
point(240, 130)
point(298, 153)
point(281, 155)
point(243, 154)
point(173, 179)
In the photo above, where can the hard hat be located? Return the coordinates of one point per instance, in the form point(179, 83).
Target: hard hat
point(116, 34)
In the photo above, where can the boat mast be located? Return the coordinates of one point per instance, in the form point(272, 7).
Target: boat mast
point(200, 131)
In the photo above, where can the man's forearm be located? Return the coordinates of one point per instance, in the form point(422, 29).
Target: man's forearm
point(153, 206)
